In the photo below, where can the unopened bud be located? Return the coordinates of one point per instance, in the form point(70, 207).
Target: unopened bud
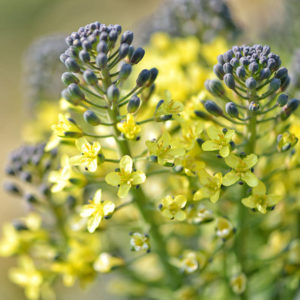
point(218, 70)
point(282, 99)
point(251, 83)
point(137, 55)
point(229, 81)
point(90, 77)
point(72, 65)
point(68, 78)
point(232, 109)
point(125, 71)
point(101, 60)
point(113, 93)
point(213, 108)
point(133, 104)
point(143, 77)
point(91, 118)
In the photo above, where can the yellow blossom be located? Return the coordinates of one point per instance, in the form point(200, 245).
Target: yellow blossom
point(139, 242)
point(90, 155)
point(28, 277)
point(238, 283)
point(129, 127)
point(241, 169)
point(259, 199)
point(219, 140)
point(163, 149)
point(106, 262)
point(96, 210)
point(172, 207)
point(60, 178)
point(191, 261)
point(211, 186)
point(126, 177)
point(199, 214)
point(168, 107)
point(65, 128)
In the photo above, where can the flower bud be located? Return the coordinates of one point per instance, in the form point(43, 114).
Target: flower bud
point(137, 55)
point(123, 51)
point(229, 81)
point(213, 108)
point(253, 67)
point(227, 68)
point(253, 106)
point(264, 73)
point(113, 93)
point(72, 65)
point(84, 56)
point(101, 60)
point(127, 37)
point(201, 114)
point(218, 70)
point(90, 77)
point(232, 109)
point(143, 77)
point(274, 84)
point(91, 118)
point(125, 71)
point(285, 83)
point(285, 141)
point(153, 75)
point(215, 87)
point(12, 188)
point(251, 83)
point(281, 73)
point(241, 72)
point(102, 47)
point(68, 78)
point(75, 91)
point(282, 99)
point(133, 104)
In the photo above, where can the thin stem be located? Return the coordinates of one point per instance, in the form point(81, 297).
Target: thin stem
point(95, 105)
point(145, 121)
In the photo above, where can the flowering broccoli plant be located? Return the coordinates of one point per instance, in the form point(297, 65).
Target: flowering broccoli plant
point(189, 199)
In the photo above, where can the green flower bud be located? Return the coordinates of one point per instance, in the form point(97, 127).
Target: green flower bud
point(232, 109)
point(127, 37)
point(281, 73)
point(264, 73)
point(133, 104)
point(282, 99)
point(91, 118)
point(253, 67)
point(213, 108)
point(113, 93)
point(202, 115)
point(90, 77)
point(123, 51)
point(241, 72)
point(143, 77)
point(153, 76)
point(274, 84)
point(227, 68)
point(68, 78)
point(12, 188)
point(102, 47)
point(229, 81)
point(84, 56)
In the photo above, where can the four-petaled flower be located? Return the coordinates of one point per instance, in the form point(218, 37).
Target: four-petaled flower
point(129, 127)
point(241, 169)
point(211, 186)
point(259, 199)
point(191, 261)
point(238, 283)
point(168, 107)
point(172, 207)
point(224, 228)
point(126, 177)
point(163, 149)
point(140, 242)
point(96, 210)
point(90, 155)
point(219, 140)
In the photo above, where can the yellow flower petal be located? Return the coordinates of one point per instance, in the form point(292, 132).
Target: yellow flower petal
point(113, 178)
point(230, 178)
point(249, 178)
point(210, 146)
point(94, 222)
point(232, 161)
point(123, 190)
point(126, 164)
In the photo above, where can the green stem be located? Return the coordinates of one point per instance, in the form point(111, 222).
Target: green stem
point(172, 275)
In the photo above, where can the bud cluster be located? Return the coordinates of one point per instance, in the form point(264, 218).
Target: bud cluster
point(201, 18)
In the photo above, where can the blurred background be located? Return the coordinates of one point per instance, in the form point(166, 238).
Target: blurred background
point(22, 22)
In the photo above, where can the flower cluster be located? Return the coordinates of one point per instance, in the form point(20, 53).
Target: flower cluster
point(190, 182)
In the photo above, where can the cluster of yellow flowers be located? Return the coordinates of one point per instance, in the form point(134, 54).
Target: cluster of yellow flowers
point(159, 177)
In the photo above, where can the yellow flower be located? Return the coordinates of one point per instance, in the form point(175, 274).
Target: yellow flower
point(129, 128)
point(66, 128)
point(106, 262)
point(190, 132)
point(219, 140)
point(168, 107)
point(259, 199)
point(286, 141)
point(163, 149)
point(28, 277)
point(172, 207)
point(96, 210)
point(60, 178)
point(238, 283)
point(211, 186)
point(241, 169)
point(139, 242)
point(126, 177)
point(10, 242)
point(90, 155)
point(224, 228)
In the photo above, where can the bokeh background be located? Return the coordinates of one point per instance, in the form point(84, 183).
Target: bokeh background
point(22, 22)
